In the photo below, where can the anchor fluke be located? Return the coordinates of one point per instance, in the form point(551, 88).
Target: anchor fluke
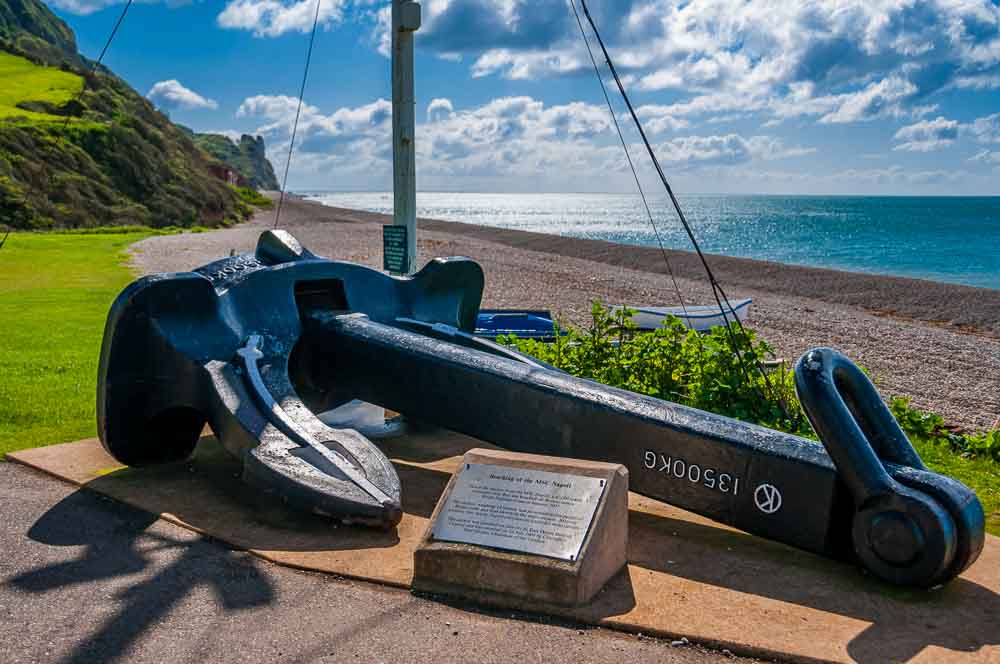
point(218, 346)
point(323, 477)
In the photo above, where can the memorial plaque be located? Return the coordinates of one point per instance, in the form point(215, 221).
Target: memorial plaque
point(394, 256)
point(520, 509)
point(525, 530)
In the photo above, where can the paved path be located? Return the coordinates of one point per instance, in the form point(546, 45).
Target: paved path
point(87, 579)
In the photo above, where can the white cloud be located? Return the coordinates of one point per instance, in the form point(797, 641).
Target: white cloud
point(769, 148)
point(171, 95)
point(986, 129)
point(84, 7)
point(439, 109)
point(839, 61)
point(729, 149)
point(273, 18)
point(506, 138)
point(318, 132)
point(897, 175)
point(725, 150)
point(525, 66)
point(875, 100)
point(986, 157)
point(660, 119)
point(978, 82)
point(927, 135)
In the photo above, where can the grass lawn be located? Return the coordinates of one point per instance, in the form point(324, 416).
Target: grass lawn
point(980, 475)
point(55, 291)
point(22, 80)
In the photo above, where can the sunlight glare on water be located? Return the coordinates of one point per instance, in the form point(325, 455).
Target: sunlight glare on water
point(954, 239)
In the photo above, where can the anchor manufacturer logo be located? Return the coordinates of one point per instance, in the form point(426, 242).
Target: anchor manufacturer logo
point(767, 498)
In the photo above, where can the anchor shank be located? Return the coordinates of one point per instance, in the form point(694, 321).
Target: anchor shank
point(756, 479)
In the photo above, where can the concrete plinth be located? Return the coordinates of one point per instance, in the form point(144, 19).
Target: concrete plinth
point(497, 577)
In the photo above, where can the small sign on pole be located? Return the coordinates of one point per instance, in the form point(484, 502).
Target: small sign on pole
point(405, 21)
point(395, 257)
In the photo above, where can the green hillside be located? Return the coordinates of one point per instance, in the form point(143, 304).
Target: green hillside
point(29, 27)
point(25, 83)
point(80, 148)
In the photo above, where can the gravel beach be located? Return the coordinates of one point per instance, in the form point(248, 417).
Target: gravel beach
point(936, 343)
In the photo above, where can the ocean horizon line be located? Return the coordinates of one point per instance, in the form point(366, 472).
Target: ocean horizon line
point(309, 192)
point(942, 239)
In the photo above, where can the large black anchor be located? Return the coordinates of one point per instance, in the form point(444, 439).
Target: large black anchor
point(254, 345)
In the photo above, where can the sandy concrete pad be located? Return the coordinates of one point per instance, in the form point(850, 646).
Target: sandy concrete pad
point(687, 576)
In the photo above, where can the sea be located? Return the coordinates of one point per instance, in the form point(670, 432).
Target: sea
point(950, 239)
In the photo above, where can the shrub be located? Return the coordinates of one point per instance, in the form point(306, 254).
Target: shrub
point(931, 426)
point(253, 197)
point(677, 364)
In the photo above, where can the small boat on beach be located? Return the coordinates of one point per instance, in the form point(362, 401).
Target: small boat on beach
point(526, 324)
point(701, 318)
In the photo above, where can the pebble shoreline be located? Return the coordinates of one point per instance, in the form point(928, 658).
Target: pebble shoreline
point(936, 343)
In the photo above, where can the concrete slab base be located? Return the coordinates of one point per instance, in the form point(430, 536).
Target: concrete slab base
point(490, 575)
point(686, 576)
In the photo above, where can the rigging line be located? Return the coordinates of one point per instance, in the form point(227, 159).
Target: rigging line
point(114, 31)
point(5, 236)
point(298, 112)
point(638, 186)
point(717, 291)
point(104, 51)
point(628, 157)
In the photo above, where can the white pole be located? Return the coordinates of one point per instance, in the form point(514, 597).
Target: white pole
point(405, 21)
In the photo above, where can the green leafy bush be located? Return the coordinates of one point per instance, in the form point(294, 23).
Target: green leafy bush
point(253, 197)
point(983, 445)
point(677, 364)
point(931, 426)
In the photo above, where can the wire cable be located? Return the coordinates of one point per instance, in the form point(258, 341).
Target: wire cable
point(298, 113)
point(628, 157)
point(638, 185)
point(100, 58)
point(717, 291)
point(114, 31)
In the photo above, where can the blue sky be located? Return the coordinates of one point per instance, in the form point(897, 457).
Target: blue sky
point(738, 96)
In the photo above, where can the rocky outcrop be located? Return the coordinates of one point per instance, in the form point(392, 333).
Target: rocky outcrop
point(248, 158)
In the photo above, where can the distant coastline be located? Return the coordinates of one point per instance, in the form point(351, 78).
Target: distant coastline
point(934, 238)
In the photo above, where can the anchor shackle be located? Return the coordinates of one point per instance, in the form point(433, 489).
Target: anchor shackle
point(911, 526)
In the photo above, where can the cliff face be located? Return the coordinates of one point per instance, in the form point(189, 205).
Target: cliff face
point(81, 148)
point(248, 157)
point(262, 168)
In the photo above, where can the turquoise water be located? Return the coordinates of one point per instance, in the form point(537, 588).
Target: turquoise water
point(953, 239)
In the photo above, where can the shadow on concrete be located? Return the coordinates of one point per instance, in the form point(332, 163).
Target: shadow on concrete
point(427, 444)
point(615, 599)
point(117, 544)
point(961, 616)
point(207, 493)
